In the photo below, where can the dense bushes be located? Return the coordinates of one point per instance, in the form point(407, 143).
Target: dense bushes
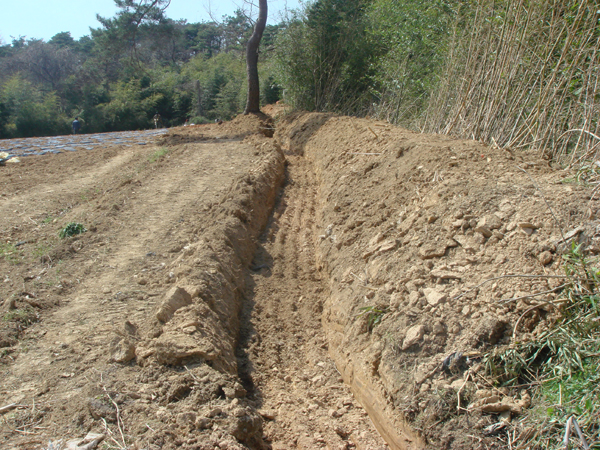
point(507, 72)
point(412, 39)
point(324, 59)
point(27, 111)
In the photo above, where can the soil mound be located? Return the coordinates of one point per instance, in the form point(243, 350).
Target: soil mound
point(239, 128)
point(432, 247)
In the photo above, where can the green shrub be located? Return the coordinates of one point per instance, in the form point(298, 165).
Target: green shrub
point(71, 229)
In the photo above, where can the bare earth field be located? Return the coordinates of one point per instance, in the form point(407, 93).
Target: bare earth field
point(310, 289)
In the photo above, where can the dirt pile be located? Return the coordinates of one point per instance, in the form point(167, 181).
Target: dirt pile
point(419, 238)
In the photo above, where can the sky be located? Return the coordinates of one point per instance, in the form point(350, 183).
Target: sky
point(42, 19)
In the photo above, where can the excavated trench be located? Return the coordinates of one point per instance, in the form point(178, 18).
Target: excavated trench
point(283, 355)
point(220, 309)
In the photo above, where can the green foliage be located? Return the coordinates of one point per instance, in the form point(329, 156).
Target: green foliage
point(71, 229)
point(158, 154)
point(28, 111)
point(323, 58)
point(374, 315)
point(270, 91)
point(135, 64)
point(130, 107)
point(564, 359)
point(24, 316)
point(4, 119)
point(9, 252)
point(219, 85)
point(411, 39)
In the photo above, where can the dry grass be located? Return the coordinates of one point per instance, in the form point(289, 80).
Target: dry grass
point(524, 74)
point(562, 362)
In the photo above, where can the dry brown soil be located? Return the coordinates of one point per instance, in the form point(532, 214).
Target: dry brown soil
point(236, 289)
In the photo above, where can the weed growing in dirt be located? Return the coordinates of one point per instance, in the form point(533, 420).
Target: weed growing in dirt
point(41, 250)
point(374, 315)
point(71, 229)
point(158, 154)
point(24, 316)
point(10, 253)
point(564, 359)
point(588, 173)
point(48, 219)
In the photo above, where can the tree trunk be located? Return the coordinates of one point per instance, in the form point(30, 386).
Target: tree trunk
point(199, 111)
point(253, 102)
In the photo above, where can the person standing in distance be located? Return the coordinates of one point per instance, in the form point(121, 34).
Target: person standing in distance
point(156, 119)
point(76, 125)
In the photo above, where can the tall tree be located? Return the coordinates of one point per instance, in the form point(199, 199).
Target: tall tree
point(121, 32)
point(253, 102)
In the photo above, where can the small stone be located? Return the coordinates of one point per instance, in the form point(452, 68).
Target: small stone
point(491, 222)
point(186, 418)
point(267, 414)
point(546, 258)
point(445, 275)
point(99, 410)
point(202, 423)
point(439, 328)
point(123, 351)
point(414, 297)
point(468, 243)
point(527, 225)
point(527, 231)
point(413, 335)
point(214, 412)
point(484, 231)
point(461, 223)
point(395, 300)
point(434, 297)
point(455, 329)
point(376, 239)
point(430, 251)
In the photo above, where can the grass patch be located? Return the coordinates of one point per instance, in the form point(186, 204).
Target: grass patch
point(374, 315)
point(587, 174)
point(71, 229)
point(10, 253)
point(163, 151)
point(564, 361)
point(25, 316)
point(41, 250)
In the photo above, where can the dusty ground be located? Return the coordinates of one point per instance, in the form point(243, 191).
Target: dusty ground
point(235, 290)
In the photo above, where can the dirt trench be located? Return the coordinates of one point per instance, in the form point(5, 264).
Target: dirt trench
point(190, 317)
point(284, 351)
point(132, 327)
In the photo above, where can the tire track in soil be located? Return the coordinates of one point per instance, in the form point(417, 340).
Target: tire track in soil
point(283, 351)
